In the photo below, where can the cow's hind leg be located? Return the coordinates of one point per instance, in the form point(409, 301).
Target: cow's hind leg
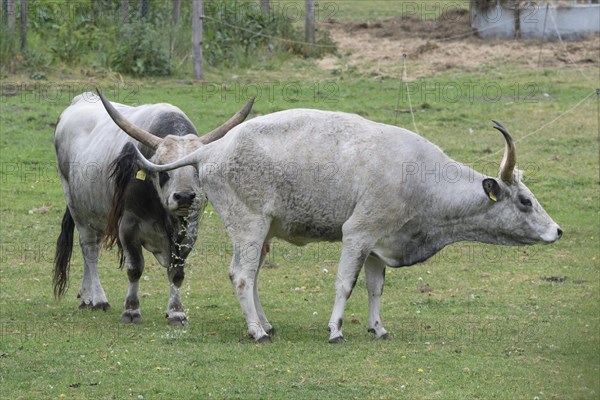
point(91, 293)
point(375, 277)
point(261, 313)
point(175, 312)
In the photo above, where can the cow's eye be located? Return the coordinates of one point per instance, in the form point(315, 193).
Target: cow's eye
point(163, 177)
point(525, 201)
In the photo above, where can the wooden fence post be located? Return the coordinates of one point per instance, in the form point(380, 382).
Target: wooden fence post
point(264, 5)
point(197, 15)
point(23, 13)
point(176, 11)
point(309, 25)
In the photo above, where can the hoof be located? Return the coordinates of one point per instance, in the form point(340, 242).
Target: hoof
point(264, 339)
point(385, 336)
point(339, 339)
point(131, 317)
point(177, 318)
point(272, 331)
point(99, 306)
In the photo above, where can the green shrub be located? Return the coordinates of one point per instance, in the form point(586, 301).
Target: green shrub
point(139, 51)
point(72, 39)
point(7, 50)
point(233, 28)
point(33, 59)
point(236, 32)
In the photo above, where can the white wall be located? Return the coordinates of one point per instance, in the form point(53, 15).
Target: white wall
point(572, 22)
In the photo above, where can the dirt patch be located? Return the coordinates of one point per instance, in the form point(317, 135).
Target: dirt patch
point(446, 42)
point(453, 22)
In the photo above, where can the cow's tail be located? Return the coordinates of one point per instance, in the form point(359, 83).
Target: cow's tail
point(123, 169)
point(62, 258)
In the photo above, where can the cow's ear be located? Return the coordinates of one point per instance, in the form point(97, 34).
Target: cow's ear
point(491, 189)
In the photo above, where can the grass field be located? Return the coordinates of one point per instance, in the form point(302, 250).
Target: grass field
point(474, 322)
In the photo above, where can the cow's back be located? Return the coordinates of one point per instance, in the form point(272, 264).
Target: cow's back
point(87, 141)
point(310, 170)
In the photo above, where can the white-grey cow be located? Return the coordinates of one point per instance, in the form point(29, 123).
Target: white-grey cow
point(390, 196)
point(105, 199)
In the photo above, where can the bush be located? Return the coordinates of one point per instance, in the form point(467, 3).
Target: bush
point(140, 52)
point(72, 39)
point(233, 28)
point(7, 50)
point(237, 34)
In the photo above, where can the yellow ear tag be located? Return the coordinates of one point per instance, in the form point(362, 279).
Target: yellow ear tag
point(141, 175)
point(492, 196)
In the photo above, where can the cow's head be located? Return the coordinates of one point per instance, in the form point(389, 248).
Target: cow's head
point(178, 189)
point(514, 210)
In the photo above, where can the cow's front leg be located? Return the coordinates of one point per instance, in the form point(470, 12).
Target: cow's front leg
point(375, 277)
point(134, 263)
point(175, 312)
point(242, 272)
point(352, 260)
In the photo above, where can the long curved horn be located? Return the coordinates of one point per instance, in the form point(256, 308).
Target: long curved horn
point(237, 119)
point(132, 130)
point(193, 158)
point(507, 166)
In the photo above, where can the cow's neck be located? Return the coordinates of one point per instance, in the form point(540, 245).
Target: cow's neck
point(461, 213)
point(183, 232)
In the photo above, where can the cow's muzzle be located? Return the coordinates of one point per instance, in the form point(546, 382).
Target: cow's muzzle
point(184, 198)
point(184, 202)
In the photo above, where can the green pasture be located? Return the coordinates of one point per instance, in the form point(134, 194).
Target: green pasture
point(474, 322)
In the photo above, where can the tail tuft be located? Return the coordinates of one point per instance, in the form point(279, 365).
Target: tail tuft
point(123, 170)
point(62, 259)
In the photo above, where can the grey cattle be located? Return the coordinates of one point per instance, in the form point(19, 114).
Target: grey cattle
point(107, 198)
point(390, 196)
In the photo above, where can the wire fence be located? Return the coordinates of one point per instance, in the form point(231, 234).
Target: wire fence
point(279, 38)
point(569, 57)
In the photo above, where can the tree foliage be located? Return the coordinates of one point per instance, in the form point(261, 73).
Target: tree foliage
point(95, 34)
